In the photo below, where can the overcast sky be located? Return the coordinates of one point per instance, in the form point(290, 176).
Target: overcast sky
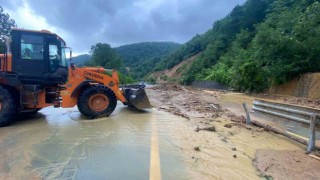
point(83, 23)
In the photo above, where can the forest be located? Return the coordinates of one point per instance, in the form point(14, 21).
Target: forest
point(140, 58)
point(133, 60)
point(258, 44)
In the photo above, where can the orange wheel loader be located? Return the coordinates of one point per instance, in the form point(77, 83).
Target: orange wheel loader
point(34, 74)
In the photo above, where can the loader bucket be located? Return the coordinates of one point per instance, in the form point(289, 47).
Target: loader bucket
point(136, 96)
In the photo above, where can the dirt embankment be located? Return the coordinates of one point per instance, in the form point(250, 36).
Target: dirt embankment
point(305, 85)
point(312, 103)
point(222, 118)
point(175, 72)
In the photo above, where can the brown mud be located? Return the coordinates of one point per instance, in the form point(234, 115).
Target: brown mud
point(286, 164)
point(232, 150)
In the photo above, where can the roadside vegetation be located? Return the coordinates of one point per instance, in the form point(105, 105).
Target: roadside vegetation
point(259, 44)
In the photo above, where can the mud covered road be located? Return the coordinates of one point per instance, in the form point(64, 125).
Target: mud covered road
point(228, 149)
point(190, 134)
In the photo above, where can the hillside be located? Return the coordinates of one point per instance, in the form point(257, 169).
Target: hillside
point(81, 60)
point(140, 58)
point(173, 74)
point(259, 44)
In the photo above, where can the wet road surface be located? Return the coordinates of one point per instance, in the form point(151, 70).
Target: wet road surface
point(61, 144)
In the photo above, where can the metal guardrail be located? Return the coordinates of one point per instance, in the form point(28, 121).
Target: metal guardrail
point(299, 114)
point(290, 112)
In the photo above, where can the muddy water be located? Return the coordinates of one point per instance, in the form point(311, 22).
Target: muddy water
point(60, 144)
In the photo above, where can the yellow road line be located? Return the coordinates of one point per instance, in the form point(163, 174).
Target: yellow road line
point(155, 169)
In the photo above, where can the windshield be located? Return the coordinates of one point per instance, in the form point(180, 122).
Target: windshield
point(57, 56)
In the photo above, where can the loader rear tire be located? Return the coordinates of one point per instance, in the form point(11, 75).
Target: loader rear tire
point(8, 107)
point(97, 101)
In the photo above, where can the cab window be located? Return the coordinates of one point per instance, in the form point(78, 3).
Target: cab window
point(54, 57)
point(31, 47)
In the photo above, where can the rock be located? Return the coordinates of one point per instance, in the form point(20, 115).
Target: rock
point(215, 106)
point(212, 129)
point(197, 148)
point(228, 125)
point(224, 139)
point(234, 149)
point(164, 107)
point(297, 160)
point(234, 156)
point(182, 115)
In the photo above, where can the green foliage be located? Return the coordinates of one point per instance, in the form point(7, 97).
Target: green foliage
point(125, 79)
point(260, 43)
point(103, 55)
point(164, 77)
point(141, 58)
point(6, 24)
point(151, 80)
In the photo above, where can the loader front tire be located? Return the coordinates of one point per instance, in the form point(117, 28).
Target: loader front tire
point(97, 101)
point(8, 107)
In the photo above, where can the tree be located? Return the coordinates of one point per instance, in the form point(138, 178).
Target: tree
point(105, 56)
point(6, 24)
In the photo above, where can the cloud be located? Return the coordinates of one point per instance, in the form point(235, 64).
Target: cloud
point(83, 23)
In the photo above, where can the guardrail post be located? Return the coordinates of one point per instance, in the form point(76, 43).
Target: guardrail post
point(312, 137)
point(248, 120)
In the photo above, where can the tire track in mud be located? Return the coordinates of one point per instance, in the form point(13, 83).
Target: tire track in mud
point(68, 168)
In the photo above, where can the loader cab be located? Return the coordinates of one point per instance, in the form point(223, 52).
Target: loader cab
point(38, 57)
